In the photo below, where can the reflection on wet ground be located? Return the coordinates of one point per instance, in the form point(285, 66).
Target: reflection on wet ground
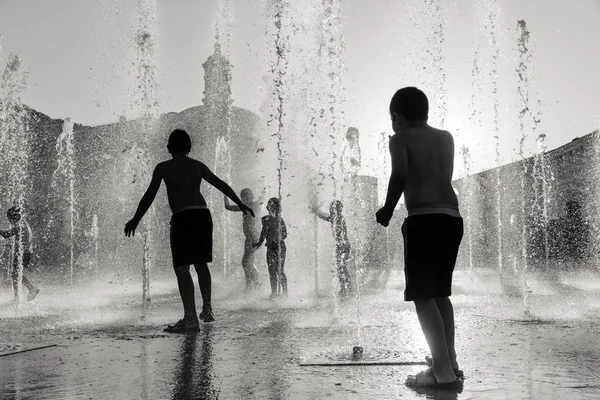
point(255, 348)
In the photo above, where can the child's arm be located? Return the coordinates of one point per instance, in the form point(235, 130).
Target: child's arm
point(399, 154)
point(9, 233)
point(228, 206)
point(145, 202)
point(321, 214)
point(283, 230)
point(214, 180)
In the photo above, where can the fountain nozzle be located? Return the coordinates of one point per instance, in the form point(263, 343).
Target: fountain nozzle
point(357, 352)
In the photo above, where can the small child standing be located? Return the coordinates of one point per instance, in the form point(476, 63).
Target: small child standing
point(342, 244)
point(22, 233)
point(274, 232)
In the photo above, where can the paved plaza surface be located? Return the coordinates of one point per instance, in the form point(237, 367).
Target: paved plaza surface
point(99, 348)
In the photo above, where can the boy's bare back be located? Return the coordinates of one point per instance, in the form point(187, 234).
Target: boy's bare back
point(428, 155)
point(183, 176)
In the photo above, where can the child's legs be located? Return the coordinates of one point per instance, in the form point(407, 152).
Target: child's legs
point(272, 265)
point(446, 310)
point(15, 275)
point(248, 263)
point(432, 326)
point(186, 291)
point(281, 273)
point(205, 283)
point(342, 257)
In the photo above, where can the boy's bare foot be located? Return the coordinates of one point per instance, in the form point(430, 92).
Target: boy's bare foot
point(207, 316)
point(182, 327)
point(458, 372)
point(426, 379)
point(32, 294)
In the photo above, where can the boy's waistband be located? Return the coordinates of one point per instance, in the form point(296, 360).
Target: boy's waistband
point(196, 207)
point(453, 212)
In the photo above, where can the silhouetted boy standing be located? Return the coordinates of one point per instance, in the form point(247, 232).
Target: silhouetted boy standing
point(191, 224)
point(422, 166)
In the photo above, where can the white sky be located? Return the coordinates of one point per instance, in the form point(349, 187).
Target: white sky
point(79, 53)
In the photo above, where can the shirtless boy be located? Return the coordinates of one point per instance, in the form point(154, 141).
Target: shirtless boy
point(251, 232)
point(422, 166)
point(191, 224)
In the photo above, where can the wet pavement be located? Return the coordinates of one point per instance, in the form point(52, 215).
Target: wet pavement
point(256, 347)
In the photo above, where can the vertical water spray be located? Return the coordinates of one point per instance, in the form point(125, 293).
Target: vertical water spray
point(541, 187)
point(525, 56)
point(14, 146)
point(148, 100)
point(219, 101)
point(95, 233)
point(332, 60)
point(468, 196)
point(435, 50)
point(384, 173)
point(493, 25)
point(63, 182)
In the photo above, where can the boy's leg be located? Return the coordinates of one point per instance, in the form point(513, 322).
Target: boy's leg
point(432, 326)
point(186, 291)
point(447, 313)
point(246, 268)
point(26, 261)
point(281, 273)
point(272, 266)
point(205, 283)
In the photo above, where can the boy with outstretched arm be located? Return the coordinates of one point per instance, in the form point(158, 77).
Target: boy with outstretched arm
point(342, 244)
point(422, 166)
point(191, 224)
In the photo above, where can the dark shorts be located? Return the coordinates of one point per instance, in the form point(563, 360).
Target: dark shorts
point(431, 244)
point(191, 237)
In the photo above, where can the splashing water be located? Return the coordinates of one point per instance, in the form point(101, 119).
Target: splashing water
point(525, 58)
point(220, 112)
point(147, 98)
point(468, 196)
point(63, 182)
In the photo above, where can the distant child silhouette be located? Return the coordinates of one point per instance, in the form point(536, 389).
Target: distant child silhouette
point(21, 231)
point(274, 232)
point(342, 244)
point(191, 224)
point(252, 234)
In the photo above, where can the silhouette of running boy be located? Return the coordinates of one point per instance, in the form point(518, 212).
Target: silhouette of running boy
point(422, 166)
point(342, 244)
point(191, 224)
point(22, 242)
point(274, 232)
point(251, 232)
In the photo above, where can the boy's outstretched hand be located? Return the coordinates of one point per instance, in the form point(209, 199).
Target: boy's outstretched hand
point(246, 209)
point(130, 227)
point(383, 216)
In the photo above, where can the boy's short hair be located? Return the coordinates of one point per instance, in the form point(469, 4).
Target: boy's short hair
point(246, 193)
point(411, 103)
point(14, 213)
point(275, 205)
point(179, 142)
